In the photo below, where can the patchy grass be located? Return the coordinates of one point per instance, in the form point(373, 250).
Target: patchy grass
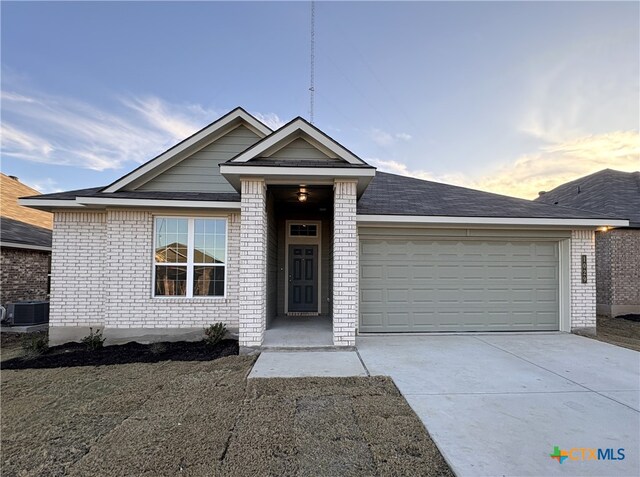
point(205, 418)
point(618, 331)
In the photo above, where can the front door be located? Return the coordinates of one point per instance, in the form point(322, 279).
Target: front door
point(303, 278)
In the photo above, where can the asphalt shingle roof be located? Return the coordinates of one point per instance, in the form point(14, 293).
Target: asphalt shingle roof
point(95, 192)
point(267, 161)
point(390, 194)
point(14, 231)
point(613, 193)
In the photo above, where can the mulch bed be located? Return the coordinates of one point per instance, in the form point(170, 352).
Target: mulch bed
point(77, 354)
point(631, 317)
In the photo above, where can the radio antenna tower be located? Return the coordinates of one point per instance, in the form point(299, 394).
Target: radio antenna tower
point(312, 85)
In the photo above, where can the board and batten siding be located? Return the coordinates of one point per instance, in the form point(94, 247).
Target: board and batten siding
point(299, 149)
point(200, 172)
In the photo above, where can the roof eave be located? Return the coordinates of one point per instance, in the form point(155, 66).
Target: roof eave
point(367, 219)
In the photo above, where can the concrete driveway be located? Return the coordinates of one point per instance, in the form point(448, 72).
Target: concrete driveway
point(499, 404)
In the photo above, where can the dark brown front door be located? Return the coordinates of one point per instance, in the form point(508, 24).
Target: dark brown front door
point(303, 278)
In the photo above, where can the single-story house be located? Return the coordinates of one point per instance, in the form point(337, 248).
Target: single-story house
point(25, 245)
point(242, 224)
point(615, 194)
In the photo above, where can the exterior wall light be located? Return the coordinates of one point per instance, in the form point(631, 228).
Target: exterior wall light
point(603, 229)
point(303, 195)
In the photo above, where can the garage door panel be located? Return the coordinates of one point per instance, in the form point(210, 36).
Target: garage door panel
point(472, 285)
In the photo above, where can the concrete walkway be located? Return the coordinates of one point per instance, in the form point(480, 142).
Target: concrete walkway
point(299, 364)
point(499, 404)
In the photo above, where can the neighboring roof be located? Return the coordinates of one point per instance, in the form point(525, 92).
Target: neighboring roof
point(390, 194)
point(298, 127)
point(23, 235)
point(192, 143)
point(609, 192)
point(10, 190)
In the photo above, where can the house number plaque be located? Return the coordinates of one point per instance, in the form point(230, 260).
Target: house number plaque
point(583, 262)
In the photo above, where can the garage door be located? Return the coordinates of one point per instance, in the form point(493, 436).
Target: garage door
point(458, 285)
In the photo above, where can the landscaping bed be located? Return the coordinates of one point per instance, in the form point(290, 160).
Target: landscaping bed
point(620, 331)
point(204, 418)
point(77, 354)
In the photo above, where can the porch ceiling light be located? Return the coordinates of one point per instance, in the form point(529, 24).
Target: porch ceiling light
point(302, 194)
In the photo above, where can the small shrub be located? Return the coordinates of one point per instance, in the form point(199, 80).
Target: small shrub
point(215, 333)
point(157, 348)
point(34, 344)
point(93, 341)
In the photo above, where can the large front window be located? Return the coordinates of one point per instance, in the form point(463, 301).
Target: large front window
point(190, 256)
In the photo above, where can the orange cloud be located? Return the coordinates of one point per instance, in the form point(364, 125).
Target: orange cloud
point(544, 169)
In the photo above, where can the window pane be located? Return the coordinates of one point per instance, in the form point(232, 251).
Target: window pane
point(208, 281)
point(171, 240)
point(209, 241)
point(171, 281)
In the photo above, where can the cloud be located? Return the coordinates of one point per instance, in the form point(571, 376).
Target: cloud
point(383, 138)
point(45, 186)
point(544, 169)
point(270, 119)
point(58, 130)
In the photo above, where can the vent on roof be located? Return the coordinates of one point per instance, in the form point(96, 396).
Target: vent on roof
point(541, 193)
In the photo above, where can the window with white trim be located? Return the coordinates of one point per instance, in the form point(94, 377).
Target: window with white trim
point(190, 256)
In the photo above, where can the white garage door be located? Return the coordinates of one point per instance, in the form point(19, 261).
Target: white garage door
point(458, 285)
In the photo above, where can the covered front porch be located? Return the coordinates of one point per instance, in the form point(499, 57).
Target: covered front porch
point(298, 264)
point(299, 332)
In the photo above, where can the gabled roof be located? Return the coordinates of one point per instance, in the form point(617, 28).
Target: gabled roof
point(193, 143)
point(610, 192)
point(19, 234)
point(390, 194)
point(290, 131)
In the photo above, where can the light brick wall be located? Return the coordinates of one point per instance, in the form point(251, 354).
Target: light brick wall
point(253, 263)
point(583, 295)
point(102, 271)
point(78, 269)
point(345, 264)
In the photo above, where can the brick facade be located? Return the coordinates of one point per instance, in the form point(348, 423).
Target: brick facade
point(102, 275)
point(102, 269)
point(583, 295)
point(253, 263)
point(23, 275)
point(618, 271)
point(345, 264)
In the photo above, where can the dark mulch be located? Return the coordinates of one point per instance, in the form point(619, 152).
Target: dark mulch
point(617, 331)
point(77, 354)
point(630, 317)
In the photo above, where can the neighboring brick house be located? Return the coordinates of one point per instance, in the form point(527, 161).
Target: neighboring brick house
point(616, 194)
point(253, 227)
point(25, 245)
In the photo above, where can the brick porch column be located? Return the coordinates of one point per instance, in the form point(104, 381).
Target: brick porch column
point(253, 263)
point(345, 264)
point(583, 295)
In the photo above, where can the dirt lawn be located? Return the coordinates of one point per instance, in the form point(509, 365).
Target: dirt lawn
point(205, 418)
point(618, 331)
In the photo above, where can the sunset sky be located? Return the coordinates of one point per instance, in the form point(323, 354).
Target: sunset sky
point(509, 97)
